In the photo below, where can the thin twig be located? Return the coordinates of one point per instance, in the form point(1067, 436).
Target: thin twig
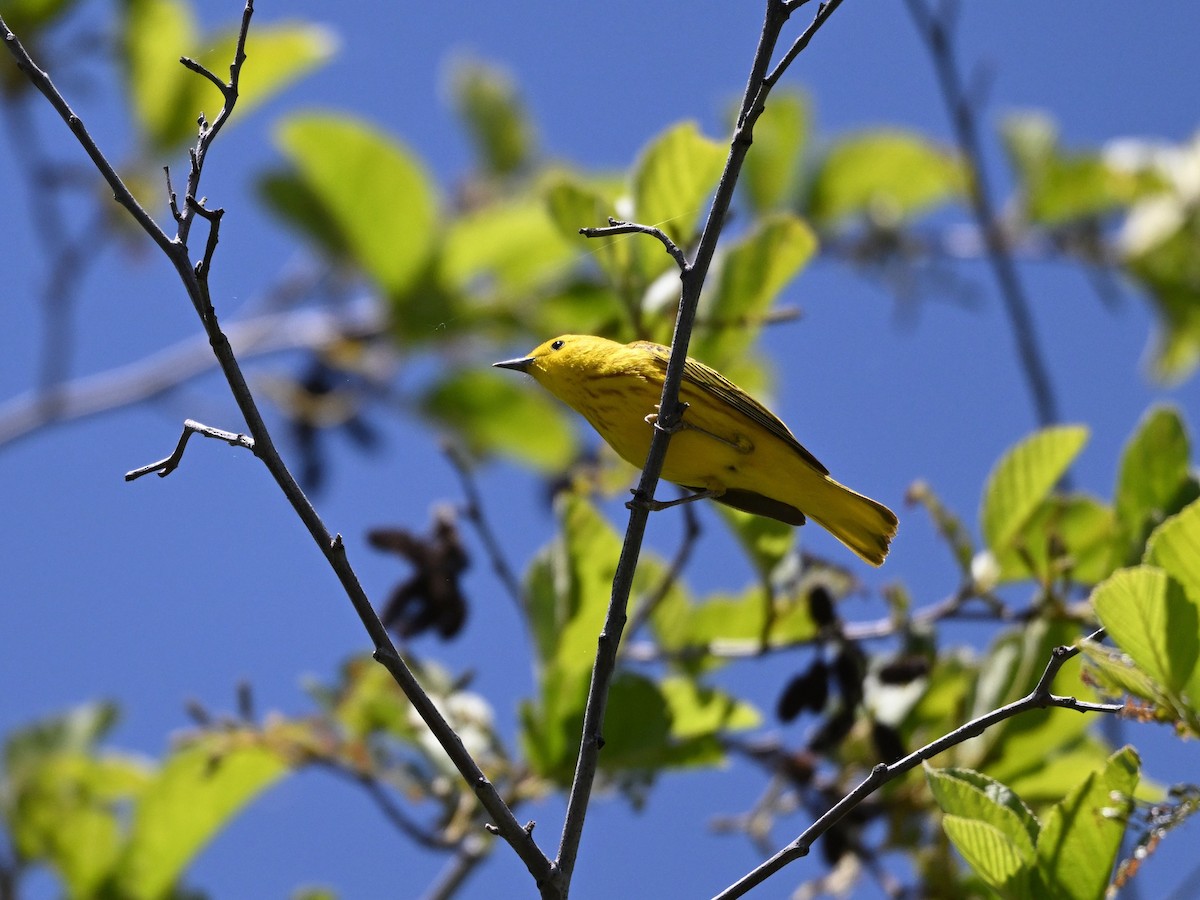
point(691, 533)
point(1039, 698)
point(934, 28)
point(165, 467)
point(692, 280)
point(617, 226)
point(331, 545)
point(473, 851)
point(474, 513)
point(175, 365)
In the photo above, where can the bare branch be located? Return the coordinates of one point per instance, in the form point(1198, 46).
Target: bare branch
point(173, 366)
point(669, 414)
point(331, 545)
point(1039, 698)
point(616, 226)
point(475, 515)
point(165, 467)
point(935, 29)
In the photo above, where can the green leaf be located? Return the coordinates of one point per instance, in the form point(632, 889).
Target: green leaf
point(156, 33)
point(772, 169)
point(76, 731)
point(1060, 187)
point(1081, 835)
point(1072, 534)
point(1154, 479)
point(1013, 665)
point(971, 795)
point(486, 99)
point(671, 181)
point(988, 851)
point(197, 791)
point(698, 710)
point(494, 413)
point(1023, 478)
point(750, 277)
point(508, 248)
point(1175, 546)
point(27, 17)
point(1150, 617)
point(277, 55)
point(65, 811)
point(366, 190)
point(1160, 242)
point(884, 174)
point(767, 542)
point(733, 620)
point(573, 205)
point(167, 97)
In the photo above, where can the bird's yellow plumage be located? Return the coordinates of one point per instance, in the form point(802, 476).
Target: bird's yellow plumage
point(730, 444)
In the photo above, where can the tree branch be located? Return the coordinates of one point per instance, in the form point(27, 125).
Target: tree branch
point(1039, 698)
point(692, 279)
point(934, 29)
point(195, 282)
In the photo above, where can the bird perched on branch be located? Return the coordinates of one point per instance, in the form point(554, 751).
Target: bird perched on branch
point(727, 446)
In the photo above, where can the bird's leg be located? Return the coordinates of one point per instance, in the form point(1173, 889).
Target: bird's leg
point(657, 505)
point(740, 442)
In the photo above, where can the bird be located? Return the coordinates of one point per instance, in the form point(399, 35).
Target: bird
point(727, 446)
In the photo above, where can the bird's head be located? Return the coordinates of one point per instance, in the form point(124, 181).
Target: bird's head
point(563, 361)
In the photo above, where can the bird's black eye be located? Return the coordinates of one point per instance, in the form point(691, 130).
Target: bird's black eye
point(557, 345)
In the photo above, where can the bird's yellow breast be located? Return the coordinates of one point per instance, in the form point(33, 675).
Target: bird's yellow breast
point(713, 449)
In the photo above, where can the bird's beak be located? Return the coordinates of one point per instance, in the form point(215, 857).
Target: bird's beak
point(521, 365)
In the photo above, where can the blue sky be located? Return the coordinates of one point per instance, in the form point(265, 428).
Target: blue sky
point(164, 590)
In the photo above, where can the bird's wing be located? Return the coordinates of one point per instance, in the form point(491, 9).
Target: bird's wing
point(723, 390)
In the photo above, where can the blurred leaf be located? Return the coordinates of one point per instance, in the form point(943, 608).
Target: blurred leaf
point(167, 98)
point(25, 18)
point(367, 196)
point(883, 174)
point(1065, 534)
point(948, 523)
point(698, 711)
point(672, 178)
point(65, 811)
point(1023, 478)
point(767, 542)
point(1154, 480)
point(1012, 667)
point(1059, 187)
point(507, 248)
point(1169, 270)
point(750, 277)
point(486, 99)
point(277, 55)
point(647, 725)
point(574, 205)
point(368, 700)
point(771, 172)
point(156, 33)
point(1080, 836)
point(198, 790)
point(737, 619)
point(76, 731)
point(494, 413)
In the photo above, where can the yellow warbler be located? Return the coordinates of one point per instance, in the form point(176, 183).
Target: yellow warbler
point(729, 446)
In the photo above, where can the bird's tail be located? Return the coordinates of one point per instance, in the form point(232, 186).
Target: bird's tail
point(862, 524)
